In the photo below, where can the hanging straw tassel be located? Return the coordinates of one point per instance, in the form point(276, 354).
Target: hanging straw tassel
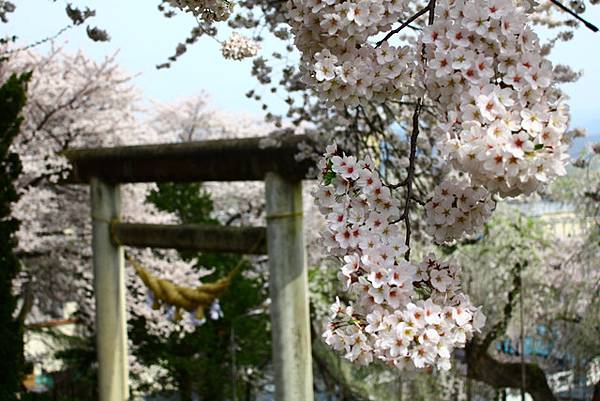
point(193, 300)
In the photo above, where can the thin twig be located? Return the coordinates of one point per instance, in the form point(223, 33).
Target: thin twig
point(404, 24)
point(411, 174)
point(413, 153)
point(37, 43)
point(587, 24)
point(414, 28)
point(417, 200)
point(398, 184)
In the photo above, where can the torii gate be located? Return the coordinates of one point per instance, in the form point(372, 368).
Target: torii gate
point(283, 239)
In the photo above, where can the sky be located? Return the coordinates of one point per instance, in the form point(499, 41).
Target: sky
point(144, 38)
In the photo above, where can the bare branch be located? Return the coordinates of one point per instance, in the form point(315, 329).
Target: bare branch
point(483, 367)
point(406, 23)
point(587, 24)
point(417, 200)
point(411, 175)
point(38, 42)
point(413, 150)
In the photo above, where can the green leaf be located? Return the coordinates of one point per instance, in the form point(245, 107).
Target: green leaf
point(329, 176)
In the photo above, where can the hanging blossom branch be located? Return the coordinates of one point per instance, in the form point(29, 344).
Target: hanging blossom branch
point(500, 128)
point(405, 314)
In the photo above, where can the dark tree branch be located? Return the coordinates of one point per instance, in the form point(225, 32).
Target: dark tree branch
point(587, 24)
point(48, 253)
point(406, 23)
point(38, 42)
point(50, 323)
point(413, 144)
point(417, 200)
point(484, 368)
point(431, 7)
point(411, 175)
point(37, 180)
point(397, 185)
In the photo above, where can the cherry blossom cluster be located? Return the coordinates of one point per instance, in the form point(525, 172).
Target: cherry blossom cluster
point(503, 120)
point(208, 10)
point(456, 208)
point(402, 314)
point(480, 63)
point(337, 59)
point(239, 47)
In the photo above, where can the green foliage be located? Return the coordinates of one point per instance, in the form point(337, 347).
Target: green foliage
point(190, 202)
point(202, 362)
point(329, 176)
point(12, 100)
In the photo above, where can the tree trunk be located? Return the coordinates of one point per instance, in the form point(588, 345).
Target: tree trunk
point(248, 396)
point(497, 374)
point(468, 384)
point(186, 387)
point(596, 394)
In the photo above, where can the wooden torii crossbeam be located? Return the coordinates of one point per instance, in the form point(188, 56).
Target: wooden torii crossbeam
point(283, 239)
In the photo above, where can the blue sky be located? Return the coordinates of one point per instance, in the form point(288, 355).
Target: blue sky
point(144, 38)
